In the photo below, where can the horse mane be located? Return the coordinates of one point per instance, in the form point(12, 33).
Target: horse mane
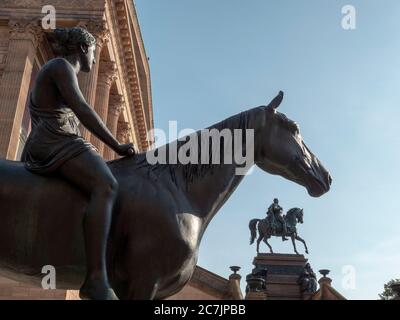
point(192, 172)
point(293, 211)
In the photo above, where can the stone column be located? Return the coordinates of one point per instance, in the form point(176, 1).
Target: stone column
point(107, 75)
point(88, 80)
point(25, 36)
point(115, 107)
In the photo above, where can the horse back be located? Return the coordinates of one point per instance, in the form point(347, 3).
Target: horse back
point(41, 220)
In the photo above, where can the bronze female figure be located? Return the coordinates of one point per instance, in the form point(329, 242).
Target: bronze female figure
point(55, 146)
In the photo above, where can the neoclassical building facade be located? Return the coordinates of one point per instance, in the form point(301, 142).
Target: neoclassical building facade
point(118, 87)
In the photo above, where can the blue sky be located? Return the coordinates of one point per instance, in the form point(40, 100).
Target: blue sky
point(212, 59)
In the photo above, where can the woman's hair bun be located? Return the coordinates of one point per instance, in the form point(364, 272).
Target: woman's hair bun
point(68, 38)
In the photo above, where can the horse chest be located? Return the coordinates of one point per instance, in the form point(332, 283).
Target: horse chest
point(189, 229)
point(181, 245)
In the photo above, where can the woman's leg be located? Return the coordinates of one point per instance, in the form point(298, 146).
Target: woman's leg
point(89, 172)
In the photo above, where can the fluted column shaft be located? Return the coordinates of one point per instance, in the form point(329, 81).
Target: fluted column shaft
point(107, 75)
point(115, 107)
point(88, 80)
point(14, 87)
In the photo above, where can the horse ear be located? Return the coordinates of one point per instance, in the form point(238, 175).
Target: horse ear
point(274, 104)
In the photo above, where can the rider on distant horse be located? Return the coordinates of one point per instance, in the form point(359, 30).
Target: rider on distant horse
point(275, 212)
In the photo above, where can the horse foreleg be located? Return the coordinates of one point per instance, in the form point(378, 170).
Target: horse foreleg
point(139, 288)
point(302, 240)
point(135, 280)
point(267, 243)
point(294, 244)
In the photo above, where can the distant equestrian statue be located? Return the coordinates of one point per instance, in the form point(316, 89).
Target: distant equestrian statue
point(270, 226)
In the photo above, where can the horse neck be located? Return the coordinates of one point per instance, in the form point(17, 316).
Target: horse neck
point(209, 192)
point(213, 191)
point(291, 218)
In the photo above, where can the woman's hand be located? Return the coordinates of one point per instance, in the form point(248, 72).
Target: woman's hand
point(127, 149)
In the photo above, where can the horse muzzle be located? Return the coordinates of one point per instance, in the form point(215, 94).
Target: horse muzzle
point(319, 181)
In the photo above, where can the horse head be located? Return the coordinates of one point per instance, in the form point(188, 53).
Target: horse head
point(280, 150)
point(299, 216)
point(294, 216)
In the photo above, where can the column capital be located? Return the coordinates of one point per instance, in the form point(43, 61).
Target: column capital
point(116, 104)
point(107, 72)
point(24, 29)
point(123, 131)
point(98, 28)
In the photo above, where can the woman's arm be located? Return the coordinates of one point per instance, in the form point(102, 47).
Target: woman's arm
point(67, 82)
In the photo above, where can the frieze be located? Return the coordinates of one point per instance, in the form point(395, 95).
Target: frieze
point(82, 4)
point(23, 29)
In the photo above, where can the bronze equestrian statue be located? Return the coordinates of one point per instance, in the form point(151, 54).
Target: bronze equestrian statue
point(160, 211)
point(271, 227)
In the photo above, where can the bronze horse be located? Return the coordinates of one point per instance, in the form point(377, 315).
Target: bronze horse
point(160, 216)
point(267, 228)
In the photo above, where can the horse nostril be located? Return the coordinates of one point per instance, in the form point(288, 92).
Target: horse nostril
point(329, 179)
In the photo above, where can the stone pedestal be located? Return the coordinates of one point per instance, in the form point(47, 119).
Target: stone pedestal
point(283, 271)
point(256, 296)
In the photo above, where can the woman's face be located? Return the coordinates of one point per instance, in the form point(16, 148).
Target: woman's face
point(87, 57)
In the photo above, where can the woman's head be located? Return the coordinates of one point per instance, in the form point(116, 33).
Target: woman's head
point(78, 41)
